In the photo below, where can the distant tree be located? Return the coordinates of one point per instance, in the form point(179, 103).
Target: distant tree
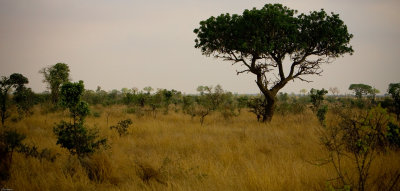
point(155, 101)
point(303, 91)
point(24, 99)
point(135, 90)
point(54, 76)
point(261, 39)
point(125, 91)
point(166, 99)
point(204, 104)
point(242, 102)
point(16, 81)
point(334, 90)
point(74, 136)
point(373, 94)
point(188, 105)
point(394, 91)
point(361, 89)
point(148, 89)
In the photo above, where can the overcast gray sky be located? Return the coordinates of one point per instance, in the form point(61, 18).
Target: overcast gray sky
point(121, 43)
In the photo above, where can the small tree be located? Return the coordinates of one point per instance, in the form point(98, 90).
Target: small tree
point(358, 137)
point(155, 102)
point(188, 105)
point(74, 136)
point(394, 91)
point(361, 89)
point(16, 81)
point(242, 102)
point(334, 90)
point(10, 141)
point(204, 106)
point(54, 76)
point(317, 96)
point(122, 127)
point(303, 91)
point(24, 99)
point(148, 89)
point(373, 94)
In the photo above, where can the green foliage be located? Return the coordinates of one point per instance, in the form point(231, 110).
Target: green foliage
point(290, 104)
point(317, 97)
point(321, 115)
point(260, 39)
point(148, 89)
point(358, 137)
point(122, 127)
point(78, 139)
point(33, 151)
point(70, 98)
point(96, 114)
point(257, 105)
point(361, 89)
point(16, 81)
point(228, 106)
point(24, 99)
point(10, 141)
point(54, 76)
point(155, 102)
point(74, 136)
point(241, 102)
point(393, 135)
point(394, 91)
point(188, 105)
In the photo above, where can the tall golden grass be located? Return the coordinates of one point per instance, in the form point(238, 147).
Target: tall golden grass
point(174, 152)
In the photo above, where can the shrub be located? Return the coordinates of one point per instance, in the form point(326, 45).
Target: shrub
point(10, 141)
point(317, 97)
point(74, 136)
point(393, 135)
point(96, 114)
point(122, 126)
point(321, 114)
point(358, 138)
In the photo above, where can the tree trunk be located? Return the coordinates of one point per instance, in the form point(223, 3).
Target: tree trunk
point(269, 109)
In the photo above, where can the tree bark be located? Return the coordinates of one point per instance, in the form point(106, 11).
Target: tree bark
point(269, 109)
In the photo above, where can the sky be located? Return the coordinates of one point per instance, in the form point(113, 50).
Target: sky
point(124, 44)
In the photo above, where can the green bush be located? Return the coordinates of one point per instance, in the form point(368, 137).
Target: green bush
point(321, 114)
point(74, 136)
point(122, 126)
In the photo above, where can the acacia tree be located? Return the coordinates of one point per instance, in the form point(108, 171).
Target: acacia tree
point(54, 76)
point(334, 90)
point(261, 39)
point(361, 89)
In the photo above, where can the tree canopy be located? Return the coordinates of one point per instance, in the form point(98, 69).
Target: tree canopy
point(261, 39)
point(16, 81)
point(361, 89)
point(55, 76)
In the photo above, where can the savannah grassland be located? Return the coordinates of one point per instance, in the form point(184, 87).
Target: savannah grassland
point(174, 152)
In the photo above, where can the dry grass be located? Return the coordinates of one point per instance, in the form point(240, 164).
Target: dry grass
point(173, 152)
